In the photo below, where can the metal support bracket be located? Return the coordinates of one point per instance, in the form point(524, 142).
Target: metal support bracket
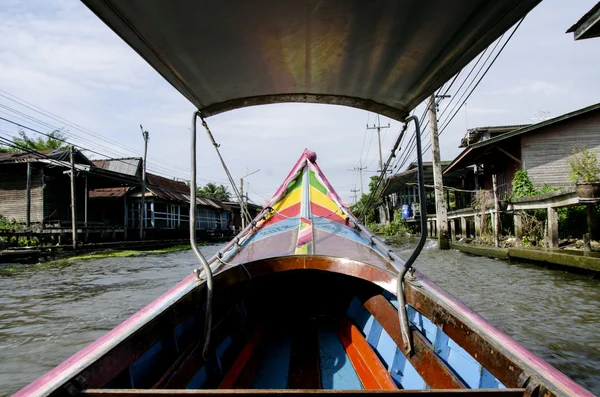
point(199, 256)
point(402, 311)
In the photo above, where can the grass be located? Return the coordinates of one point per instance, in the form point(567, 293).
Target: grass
point(68, 261)
point(127, 253)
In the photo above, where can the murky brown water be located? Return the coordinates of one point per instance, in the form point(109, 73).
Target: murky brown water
point(49, 313)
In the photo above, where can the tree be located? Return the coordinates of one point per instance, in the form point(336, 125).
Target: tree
point(53, 141)
point(359, 206)
point(212, 190)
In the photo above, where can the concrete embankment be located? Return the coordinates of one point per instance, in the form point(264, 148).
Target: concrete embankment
point(568, 259)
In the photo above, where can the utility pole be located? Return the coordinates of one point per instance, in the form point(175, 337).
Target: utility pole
point(354, 191)
point(378, 127)
point(242, 217)
point(243, 207)
point(73, 207)
point(146, 136)
point(440, 204)
point(360, 169)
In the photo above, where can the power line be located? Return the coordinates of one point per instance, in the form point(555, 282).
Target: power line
point(482, 76)
point(428, 146)
point(166, 169)
point(78, 146)
point(60, 119)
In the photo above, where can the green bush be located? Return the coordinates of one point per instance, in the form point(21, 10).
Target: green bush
point(522, 186)
point(570, 221)
point(6, 224)
point(584, 166)
point(395, 228)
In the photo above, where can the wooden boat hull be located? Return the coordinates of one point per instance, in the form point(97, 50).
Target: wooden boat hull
point(310, 322)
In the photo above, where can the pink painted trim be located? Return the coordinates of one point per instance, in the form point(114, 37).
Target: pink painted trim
point(291, 176)
point(503, 341)
point(72, 366)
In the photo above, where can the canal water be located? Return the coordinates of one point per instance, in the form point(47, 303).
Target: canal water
point(47, 313)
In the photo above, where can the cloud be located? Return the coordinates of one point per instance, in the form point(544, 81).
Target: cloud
point(61, 57)
point(532, 88)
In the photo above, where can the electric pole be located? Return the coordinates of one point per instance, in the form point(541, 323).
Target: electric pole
point(378, 127)
point(243, 208)
point(440, 204)
point(354, 191)
point(73, 206)
point(146, 136)
point(360, 169)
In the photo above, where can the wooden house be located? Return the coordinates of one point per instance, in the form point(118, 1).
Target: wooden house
point(166, 202)
point(588, 25)
point(236, 213)
point(401, 189)
point(35, 191)
point(543, 149)
point(35, 188)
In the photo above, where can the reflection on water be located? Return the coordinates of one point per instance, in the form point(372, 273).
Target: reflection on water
point(49, 313)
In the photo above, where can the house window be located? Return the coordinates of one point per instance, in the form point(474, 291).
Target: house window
point(133, 214)
point(224, 220)
point(206, 220)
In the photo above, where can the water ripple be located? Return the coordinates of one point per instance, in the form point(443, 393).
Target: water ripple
point(49, 313)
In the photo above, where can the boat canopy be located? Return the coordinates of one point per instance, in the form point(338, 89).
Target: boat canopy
point(384, 56)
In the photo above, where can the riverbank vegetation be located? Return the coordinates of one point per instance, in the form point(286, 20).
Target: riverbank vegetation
point(572, 220)
point(126, 253)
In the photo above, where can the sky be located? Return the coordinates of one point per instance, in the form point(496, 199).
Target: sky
point(61, 67)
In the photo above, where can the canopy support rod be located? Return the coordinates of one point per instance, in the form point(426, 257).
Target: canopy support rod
point(201, 259)
point(243, 209)
point(402, 311)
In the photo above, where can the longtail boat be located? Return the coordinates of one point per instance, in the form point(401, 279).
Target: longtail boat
point(306, 299)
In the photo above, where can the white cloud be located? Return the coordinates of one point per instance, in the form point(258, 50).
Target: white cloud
point(533, 88)
point(61, 57)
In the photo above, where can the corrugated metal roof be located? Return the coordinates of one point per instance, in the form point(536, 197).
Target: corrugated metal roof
point(53, 154)
point(111, 192)
point(588, 24)
point(169, 189)
point(128, 165)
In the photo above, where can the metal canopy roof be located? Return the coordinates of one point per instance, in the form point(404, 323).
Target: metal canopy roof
point(384, 56)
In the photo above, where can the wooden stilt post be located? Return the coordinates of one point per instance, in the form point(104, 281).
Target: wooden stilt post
point(73, 201)
point(591, 220)
point(552, 228)
point(518, 226)
point(496, 217)
point(477, 220)
point(125, 221)
point(463, 227)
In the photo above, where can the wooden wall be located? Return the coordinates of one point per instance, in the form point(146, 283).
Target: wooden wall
point(13, 192)
point(57, 195)
point(497, 162)
point(546, 152)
